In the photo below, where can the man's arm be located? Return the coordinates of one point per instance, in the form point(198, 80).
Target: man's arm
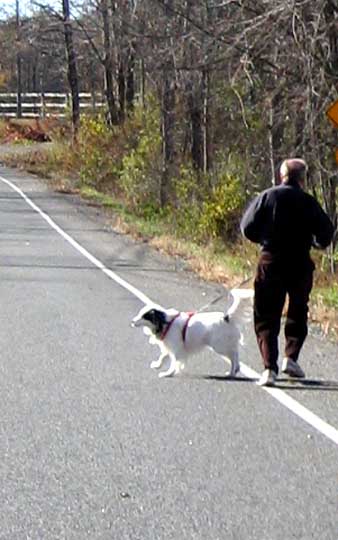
point(251, 223)
point(323, 228)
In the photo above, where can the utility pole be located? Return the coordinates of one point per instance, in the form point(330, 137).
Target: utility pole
point(18, 62)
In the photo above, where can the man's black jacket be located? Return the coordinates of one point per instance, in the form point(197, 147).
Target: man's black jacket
point(287, 221)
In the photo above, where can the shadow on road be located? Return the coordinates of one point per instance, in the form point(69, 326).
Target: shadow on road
point(221, 378)
point(282, 383)
point(307, 384)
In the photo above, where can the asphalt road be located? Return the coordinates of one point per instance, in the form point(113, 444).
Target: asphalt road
point(95, 446)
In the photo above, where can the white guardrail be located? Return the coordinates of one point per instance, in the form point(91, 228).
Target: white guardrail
point(34, 104)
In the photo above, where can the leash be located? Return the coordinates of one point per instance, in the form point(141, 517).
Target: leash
point(215, 300)
point(192, 313)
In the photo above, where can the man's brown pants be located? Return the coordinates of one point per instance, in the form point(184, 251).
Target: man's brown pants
point(276, 279)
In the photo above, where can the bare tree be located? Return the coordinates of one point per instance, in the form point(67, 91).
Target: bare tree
point(72, 68)
point(247, 80)
point(18, 61)
point(108, 62)
point(167, 105)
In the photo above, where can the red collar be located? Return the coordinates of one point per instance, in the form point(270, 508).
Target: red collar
point(184, 330)
point(166, 330)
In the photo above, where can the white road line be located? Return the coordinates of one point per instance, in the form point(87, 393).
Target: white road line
point(309, 417)
point(302, 412)
point(78, 246)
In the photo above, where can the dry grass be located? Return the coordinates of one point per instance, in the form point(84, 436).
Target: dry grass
point(15, 130)
point(219, 267)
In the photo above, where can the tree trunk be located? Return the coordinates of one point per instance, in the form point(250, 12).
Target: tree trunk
point(122, 90)
point(196, 123)
point(330, 11)
point(72, 70)
point(18, 64)
point(168, 113)
point(197, 90)
point(206, 122)
point(142, 83)
point(276, 132)
point(108, 65)
point(168, 119)
point(130, 87)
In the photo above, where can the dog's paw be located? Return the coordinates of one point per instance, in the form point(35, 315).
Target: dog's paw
point(155, 364)
point(232, 374)
point(164, 374)
point(179, 367)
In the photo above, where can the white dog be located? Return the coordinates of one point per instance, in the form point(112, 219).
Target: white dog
point(180, 334)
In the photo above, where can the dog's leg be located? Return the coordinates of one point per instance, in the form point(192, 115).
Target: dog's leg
point(172, 368)
point(235, 367)
point(230, 354)
point(156, 364)
point(179, 367)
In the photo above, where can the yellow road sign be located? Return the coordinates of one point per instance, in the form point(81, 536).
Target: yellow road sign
point(332, 113)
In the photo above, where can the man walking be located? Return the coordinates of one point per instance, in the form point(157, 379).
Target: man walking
point(286, 222)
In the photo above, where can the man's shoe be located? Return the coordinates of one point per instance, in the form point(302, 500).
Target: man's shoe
point(268, 378)
point(291, 368)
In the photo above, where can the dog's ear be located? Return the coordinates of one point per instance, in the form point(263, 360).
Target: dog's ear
point(157, 318)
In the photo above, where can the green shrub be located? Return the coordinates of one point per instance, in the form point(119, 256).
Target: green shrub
point(96, 162)
point(328, 295)
point(140, 172)
point(208, 205)
point(221, 211)
point(190, 190)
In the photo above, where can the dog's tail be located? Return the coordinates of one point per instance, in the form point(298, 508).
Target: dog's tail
point(237, 296)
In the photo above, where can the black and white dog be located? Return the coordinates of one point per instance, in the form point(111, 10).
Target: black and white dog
point(180, 334)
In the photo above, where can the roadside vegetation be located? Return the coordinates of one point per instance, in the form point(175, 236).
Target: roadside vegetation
point(200, 101)
point(120, 170)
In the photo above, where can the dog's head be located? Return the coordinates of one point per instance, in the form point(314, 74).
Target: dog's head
point(152, 317)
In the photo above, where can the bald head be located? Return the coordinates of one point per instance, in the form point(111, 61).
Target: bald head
point(292, 171)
